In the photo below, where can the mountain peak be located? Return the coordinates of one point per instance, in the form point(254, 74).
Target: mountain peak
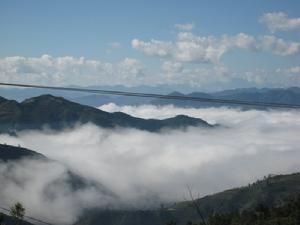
point(45, 98)
point(176, 93)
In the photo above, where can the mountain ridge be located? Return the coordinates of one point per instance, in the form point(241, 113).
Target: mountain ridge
point(265, 95)
point(58, 113)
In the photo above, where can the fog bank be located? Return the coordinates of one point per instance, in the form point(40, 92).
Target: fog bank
point(143, 168)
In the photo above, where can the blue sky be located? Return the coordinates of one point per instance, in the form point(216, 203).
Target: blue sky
point(103, 32)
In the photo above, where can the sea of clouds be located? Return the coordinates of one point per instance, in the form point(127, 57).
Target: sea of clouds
point(144, 169)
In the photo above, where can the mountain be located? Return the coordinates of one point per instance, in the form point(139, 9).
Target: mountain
point(96, 100)
point(8, 220)
point(68, 181)
point(272, 191)
point(12, 153)
point(58, 113)
point(275, 95)
point(20, 94)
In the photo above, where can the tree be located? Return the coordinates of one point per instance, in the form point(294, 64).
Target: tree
point(17, 211)
point(1, 218)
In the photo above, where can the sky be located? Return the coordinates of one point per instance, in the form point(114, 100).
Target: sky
point(201, 45)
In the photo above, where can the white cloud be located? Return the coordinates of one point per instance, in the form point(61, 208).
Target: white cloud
point(278, 46)
point(244, 41)
point(292, 71)
point(187, 48)
point(191, 48)
point(171, 67)
point(131, 68)
point(219, 75)
point(185, 26)
point(134, 164)
point(195, 77)
point(70, 70)
point(153, 47)
point(279, 78)
point(279, 21)
point(210, 49)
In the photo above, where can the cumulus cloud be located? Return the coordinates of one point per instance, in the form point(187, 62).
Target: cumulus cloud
point(278, 46)
point(70, 70)
point(153, 47)
point(144, 168)
point(279, 21)
point(189, 47)
point(171, 67)
point(185, 26)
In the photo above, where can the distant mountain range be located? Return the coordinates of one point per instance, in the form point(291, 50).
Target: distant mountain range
point(58, 113)
point(265, 95)
point(275, 95)
point(20, 94)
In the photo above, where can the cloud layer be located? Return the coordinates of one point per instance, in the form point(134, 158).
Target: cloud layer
point(144, 169)
point(62, 71)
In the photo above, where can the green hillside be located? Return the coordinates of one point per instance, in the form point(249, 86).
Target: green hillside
point(272, 191)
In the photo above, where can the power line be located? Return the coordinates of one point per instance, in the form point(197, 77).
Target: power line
point(28, 217)
point(160, 96)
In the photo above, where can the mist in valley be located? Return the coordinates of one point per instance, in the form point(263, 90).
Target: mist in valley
point(140, 169)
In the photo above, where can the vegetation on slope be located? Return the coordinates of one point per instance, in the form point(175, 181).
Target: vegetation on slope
point(271, 192)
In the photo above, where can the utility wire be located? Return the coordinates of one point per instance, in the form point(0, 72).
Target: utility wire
point(28, 217)
point(150, 95)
